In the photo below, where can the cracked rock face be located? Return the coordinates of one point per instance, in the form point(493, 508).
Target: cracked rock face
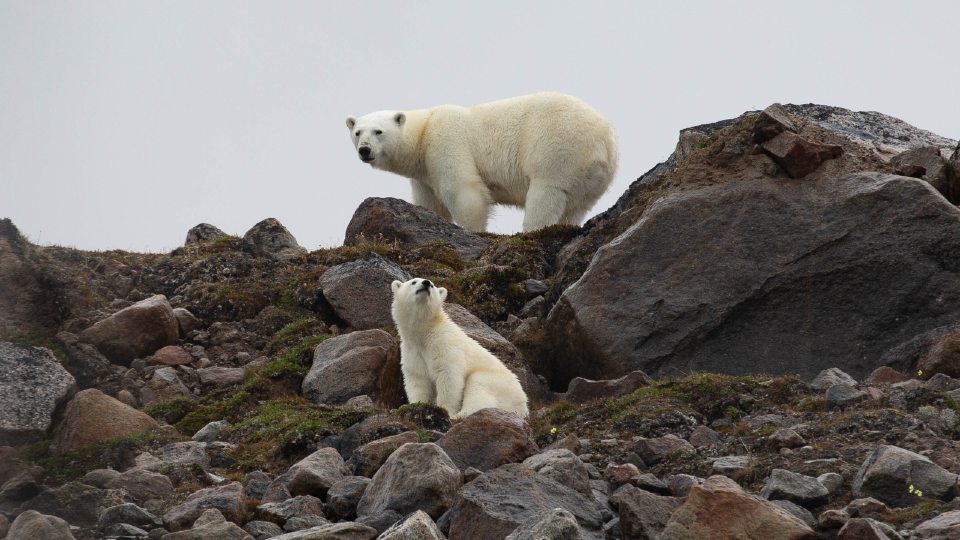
point(749, 266)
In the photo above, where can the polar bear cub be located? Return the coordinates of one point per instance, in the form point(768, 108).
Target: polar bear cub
point(443, 365)
point(549, 153)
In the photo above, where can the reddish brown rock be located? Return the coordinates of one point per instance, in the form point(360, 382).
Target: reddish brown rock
point(582, 390)
point(488, 439)
point(172, 355)
point(928, 163)
point(798, 156)
point(135, 331)
point(92, 417)
point(719, 508)
point(885, 375)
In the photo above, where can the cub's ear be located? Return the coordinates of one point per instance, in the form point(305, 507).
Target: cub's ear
point(351, 121)
point(395, 285)
point(443, 294)
point(399, 118)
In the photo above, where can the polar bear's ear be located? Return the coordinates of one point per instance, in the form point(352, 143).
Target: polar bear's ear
point(395, 286)
point(399, 118)
point(443, 294)
point(351, 121)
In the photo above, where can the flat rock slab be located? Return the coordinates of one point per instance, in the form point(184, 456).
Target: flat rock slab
point(727, 289)
point(32, 385)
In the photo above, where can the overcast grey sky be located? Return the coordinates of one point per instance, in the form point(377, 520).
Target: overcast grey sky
point(124, 123)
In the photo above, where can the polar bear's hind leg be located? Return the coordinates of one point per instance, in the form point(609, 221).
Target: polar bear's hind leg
point(545, 205)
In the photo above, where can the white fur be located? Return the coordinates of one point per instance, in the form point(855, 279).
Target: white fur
point(549, 153)
point(443, 365)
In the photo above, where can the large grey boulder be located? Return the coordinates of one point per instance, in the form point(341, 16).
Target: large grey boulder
point(946, 526)
point(77, 503)
point(270, 238)
point(32, 385)
point(32, 525)
point(749, 262)
point(563, 466)
point(417, 476)
point(418, 526)
point(889, 471)
point(136, 331)
point(410, 226)
point(203, 232)
point(228, 499)
point(499, 501)
point(488, 439)
point(554, 524)
point(643, 514)
point(790, 486)
point(351, 365)
point(359, 291)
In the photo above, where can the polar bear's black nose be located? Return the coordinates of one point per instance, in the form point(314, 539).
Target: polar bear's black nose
point(364, 151)
point(427, 284)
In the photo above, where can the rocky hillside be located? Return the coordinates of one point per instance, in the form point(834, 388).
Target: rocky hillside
point(760, 339)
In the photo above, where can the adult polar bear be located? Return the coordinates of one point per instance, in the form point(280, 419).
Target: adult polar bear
point(441, 364)
point(550, 153)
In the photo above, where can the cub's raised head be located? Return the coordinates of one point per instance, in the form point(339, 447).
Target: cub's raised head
point(376, 136)
point(416, 298)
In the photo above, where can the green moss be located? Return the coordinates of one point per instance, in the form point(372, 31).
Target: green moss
point(291, 333)
point(951, 403)
point(115, 453)
point(713, 395)
point(548, 425)
point(286, 427)
point(171, 411)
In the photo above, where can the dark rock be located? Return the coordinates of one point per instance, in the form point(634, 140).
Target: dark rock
point(314, 474)
point(798, 512)
point(488, 439)
point(270, 238)
point(799, 156)
point(262, 530)
point(703, 437)
point(210, 432)
point(582, 390)
point(831, 481)
point(418, 526)
point(554, 524)
point(643, 514)
point(142, 485)
point(33, 385)
point(344, 495)
point(728, 465)
point(298, 523)
point(889, 472)
point(202, 233)
point(164, 385)
point(771, 122)
point(414, 477)
point(790, 486)
point(100, 478)
point(359, 291)
point(946, 526)
point(410, 226)
point(564, 467)
point(20, 487)
point(255, 484)
point(32, 525)
point(499, 501)
point(866, 529)
point(721, 509)
point(135, 331)
point(87, 365)
point(843, 395)
point(227, 499)
point(128, 513)
point(941, 383)
point(829, 377)
point(368, 459)
point(359, 363)
point(867, 506)
point(280, 512)
point(125, 531)
point(186, 321)
point(928, 353)
point(381, 522)
point(681, 484)
point(786, 438)
point(534, 287)
point(686, 301)
point(655, 450)
point(77, 503)
point(369, 429)
point(332, 531)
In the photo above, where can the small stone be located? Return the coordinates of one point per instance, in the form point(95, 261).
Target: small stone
point(831, 481)
point(680, 484)
point(885, 375)
point(619, 475)
point(344, 495)
point(172, 355)
point(418, 526)
point(843, 395)
point(270, 238)
point(941, 382)
point(803, 490)
point(654, 450)
point(262, 530)
point(833, 519)
point(946, 526)
point(730, 464)
point(867, 529)
point(211, 431)
point(797, 511)
point(829, 377)
point(203, 232)
point(867, 506)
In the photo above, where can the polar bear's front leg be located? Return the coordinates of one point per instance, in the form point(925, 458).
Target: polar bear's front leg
point(424, 196)
point(450, 385)
point(419, 389)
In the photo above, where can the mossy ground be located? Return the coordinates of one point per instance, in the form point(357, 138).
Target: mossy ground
point(116, 453)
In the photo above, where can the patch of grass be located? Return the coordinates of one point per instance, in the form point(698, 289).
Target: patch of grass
point(491, 292)
point(291, 333)
point(547, 426)
point(115, 453)
point(171, 411)
point(286, 428)
point(922, 511)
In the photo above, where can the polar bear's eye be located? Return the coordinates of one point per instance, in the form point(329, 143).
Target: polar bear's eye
point(378, 132)
point(357, 134)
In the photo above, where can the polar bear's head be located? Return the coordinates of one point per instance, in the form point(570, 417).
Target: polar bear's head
point(416, 299)
point(376, 136)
